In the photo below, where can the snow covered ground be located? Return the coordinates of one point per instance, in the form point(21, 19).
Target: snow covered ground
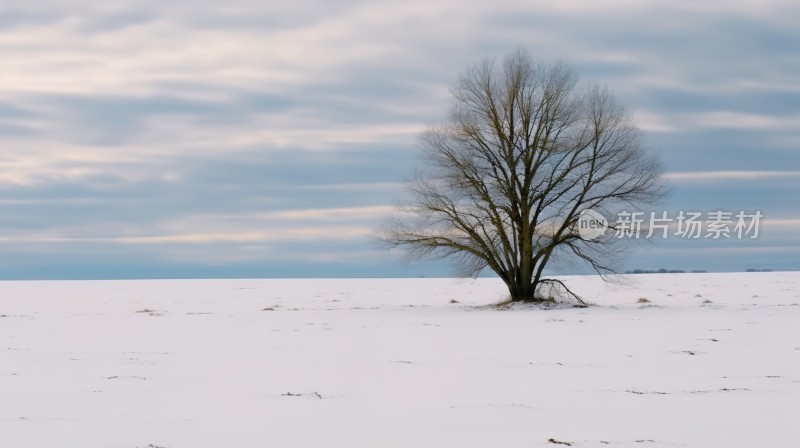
point(712, 360)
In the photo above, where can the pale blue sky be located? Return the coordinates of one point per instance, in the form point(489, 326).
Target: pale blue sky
point(248, 138)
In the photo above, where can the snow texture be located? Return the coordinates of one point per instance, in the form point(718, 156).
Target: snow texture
point(671, 360)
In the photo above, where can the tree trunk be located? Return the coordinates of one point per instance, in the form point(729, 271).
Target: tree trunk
point(523, 289)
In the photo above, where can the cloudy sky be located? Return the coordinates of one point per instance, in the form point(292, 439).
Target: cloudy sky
point(247, 138)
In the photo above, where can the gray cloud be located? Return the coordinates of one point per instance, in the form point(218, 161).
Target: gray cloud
point(157, 132)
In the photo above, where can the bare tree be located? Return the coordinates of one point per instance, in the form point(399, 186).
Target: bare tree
point(505, 177)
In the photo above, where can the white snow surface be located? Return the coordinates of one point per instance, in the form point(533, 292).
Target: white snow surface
point(713, 360)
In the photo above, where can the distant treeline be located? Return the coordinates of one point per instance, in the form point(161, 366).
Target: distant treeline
point(681, 271)
point(662, 271)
